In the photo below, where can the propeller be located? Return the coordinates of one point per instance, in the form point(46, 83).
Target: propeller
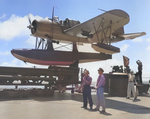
point(32, 25)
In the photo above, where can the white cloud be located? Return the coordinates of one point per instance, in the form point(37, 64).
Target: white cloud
point(124, 47)
point(12, 63)
point(148, 39)
point(15, 26)
point(34, 17)
point(15, 63)
point(137, 40)
point(148, 48)
point(3, 16)
point(31, 41)
point(5, 53)
point(19, 63)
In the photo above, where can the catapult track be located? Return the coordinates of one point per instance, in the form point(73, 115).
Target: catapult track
point(36, 76)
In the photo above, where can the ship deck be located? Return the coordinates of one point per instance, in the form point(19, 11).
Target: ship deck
point(68, 106)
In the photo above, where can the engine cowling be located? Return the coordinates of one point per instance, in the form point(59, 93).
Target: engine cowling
point(42, 28)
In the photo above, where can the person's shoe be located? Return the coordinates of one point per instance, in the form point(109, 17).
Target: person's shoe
point(103, 111)
point(84, 107)
point(127, 98)
point(134, 99)
point(96, 109)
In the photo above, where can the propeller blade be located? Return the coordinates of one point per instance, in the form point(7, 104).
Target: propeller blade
point(29, 19)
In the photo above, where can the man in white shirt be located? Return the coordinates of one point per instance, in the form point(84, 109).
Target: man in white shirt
point(131, 86)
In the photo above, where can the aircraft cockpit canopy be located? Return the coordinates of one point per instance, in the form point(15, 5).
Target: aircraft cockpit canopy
point(56, 19)
point(68, 23)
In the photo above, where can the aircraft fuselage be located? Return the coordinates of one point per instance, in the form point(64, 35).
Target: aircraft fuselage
point(44, 28)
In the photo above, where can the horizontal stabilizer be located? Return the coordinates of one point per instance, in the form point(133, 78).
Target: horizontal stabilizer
point(104, 48)
point(132, 35)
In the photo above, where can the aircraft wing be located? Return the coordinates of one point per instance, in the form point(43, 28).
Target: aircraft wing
point(113, 18)
point(132, 35)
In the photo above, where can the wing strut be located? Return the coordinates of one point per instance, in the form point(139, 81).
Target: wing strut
point(103, 32)
point(96, 32)
point(110, 36)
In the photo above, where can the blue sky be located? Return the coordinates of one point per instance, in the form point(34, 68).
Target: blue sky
point(14, 33)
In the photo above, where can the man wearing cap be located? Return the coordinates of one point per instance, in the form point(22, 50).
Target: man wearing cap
point(131, 85)
point(87, 80)
point(139, 70)
point(100, 91)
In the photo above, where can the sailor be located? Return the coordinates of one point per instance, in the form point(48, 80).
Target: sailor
point(87, 80)
point(80, 90)
point(139, 70)
point(100, 91)
point(131, 85)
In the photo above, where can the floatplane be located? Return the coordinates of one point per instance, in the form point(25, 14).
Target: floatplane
point(100, 31)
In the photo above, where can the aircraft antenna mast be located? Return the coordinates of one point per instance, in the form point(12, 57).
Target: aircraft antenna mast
point(52, 21)
point(102, 10)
